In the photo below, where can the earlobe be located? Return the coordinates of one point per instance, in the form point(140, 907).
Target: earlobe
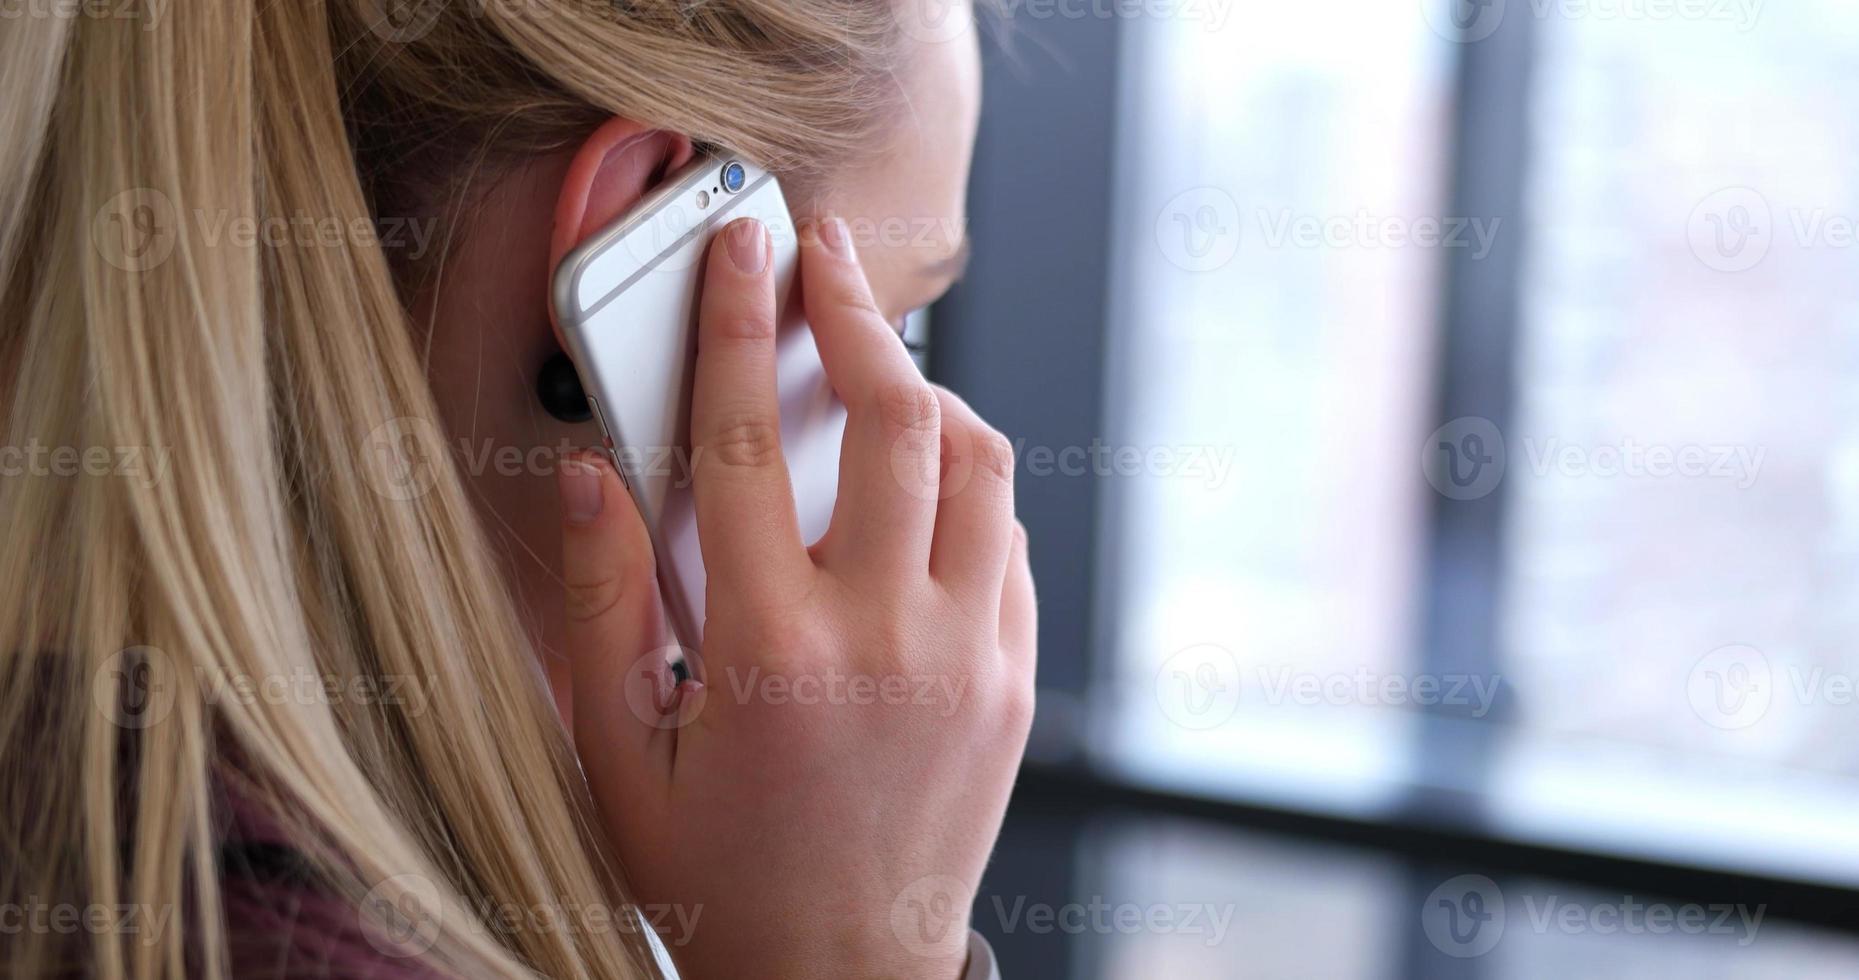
point(616, 166)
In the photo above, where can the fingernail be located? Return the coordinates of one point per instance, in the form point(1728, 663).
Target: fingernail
point(581, 493)
point(833, 232)
point(748, 247)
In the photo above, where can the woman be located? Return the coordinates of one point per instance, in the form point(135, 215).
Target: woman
point(275, 703)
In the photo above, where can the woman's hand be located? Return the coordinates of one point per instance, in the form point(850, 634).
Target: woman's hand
point(821, 800)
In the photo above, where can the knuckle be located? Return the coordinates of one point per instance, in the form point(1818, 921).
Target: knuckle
point(746, 442)
point(994, 454)
point(910, 408)
point(852, 296)
point(900, 646)
point(592, 598)
point(1018, 703)
point(755, 326)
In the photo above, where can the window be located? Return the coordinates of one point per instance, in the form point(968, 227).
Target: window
point(1268, 325)
point(1679, 495)
point(1471, 486)
point(1682, 550)
point(1270, 321)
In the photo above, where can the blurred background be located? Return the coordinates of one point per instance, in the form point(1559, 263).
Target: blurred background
point(1436, 436)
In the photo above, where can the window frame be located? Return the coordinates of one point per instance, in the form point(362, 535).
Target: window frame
point(1033, 314)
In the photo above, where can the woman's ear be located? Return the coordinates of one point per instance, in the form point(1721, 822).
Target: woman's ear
point(610, 172)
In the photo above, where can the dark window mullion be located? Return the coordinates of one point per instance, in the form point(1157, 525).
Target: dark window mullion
point(1462, 577)
point(1023, 336)
point(1463, 574)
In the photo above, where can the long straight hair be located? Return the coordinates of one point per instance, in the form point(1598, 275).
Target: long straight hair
point(204, 488)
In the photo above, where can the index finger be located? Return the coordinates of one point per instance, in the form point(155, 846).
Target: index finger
point(746, 523)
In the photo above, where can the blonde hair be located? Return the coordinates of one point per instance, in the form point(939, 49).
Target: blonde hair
point(255, 378)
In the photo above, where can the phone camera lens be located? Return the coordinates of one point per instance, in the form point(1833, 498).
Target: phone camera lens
point(734, 177)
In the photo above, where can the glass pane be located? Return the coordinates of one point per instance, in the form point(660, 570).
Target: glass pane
point(1683, 470)
point(1178, 899)
point(1219, 905)
point(1269, 372)
point(1551, 930)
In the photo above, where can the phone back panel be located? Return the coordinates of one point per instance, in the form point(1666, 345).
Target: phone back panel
point(627, 302)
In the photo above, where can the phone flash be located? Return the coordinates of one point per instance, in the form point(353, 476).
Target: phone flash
point(703, 199)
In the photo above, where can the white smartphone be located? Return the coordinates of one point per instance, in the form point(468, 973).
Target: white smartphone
point(626, 300)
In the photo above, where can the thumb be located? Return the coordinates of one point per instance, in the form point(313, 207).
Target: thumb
point(618, 646)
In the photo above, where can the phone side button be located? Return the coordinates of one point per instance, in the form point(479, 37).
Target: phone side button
point(606, 439)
